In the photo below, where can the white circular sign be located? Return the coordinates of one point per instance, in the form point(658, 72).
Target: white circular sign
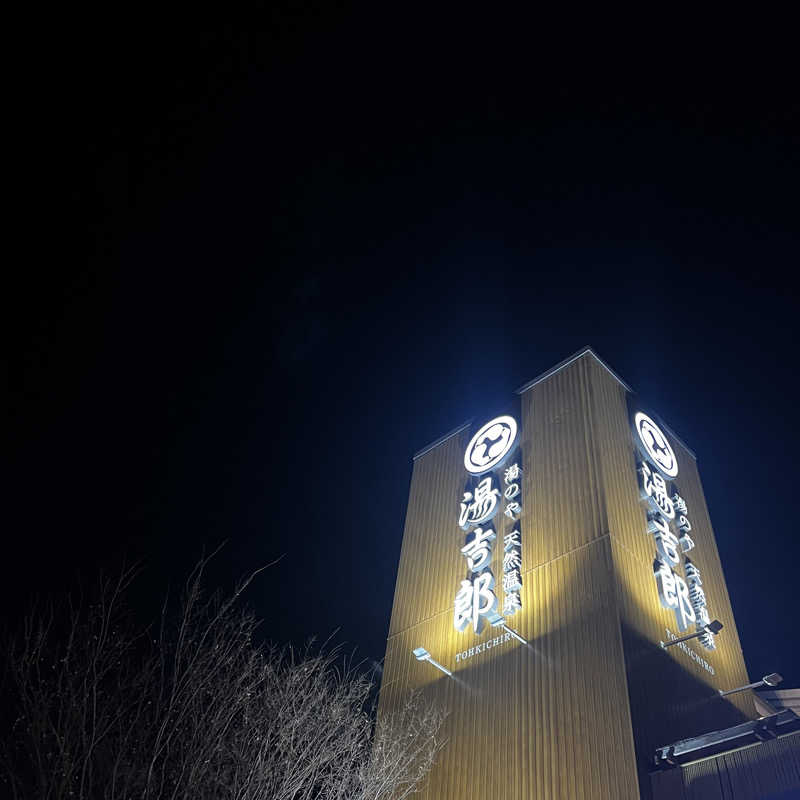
point(656, 444)
point(490, 445)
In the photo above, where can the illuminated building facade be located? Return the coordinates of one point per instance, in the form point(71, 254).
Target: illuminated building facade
point(548, 553)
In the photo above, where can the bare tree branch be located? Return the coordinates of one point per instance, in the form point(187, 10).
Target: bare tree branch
point(100, 708)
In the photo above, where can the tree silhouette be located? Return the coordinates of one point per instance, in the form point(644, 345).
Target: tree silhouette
point(100, 708)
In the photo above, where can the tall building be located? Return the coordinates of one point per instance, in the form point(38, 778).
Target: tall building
point(549, 554)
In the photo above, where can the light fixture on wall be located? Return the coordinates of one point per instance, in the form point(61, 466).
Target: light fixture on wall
point(773, 679)
point(500, 622)
point(422, 654)
point(513, 633)
point(713, 627)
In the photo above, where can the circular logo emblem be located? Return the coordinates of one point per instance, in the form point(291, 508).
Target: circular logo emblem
point(656, 444)
point(490, 445)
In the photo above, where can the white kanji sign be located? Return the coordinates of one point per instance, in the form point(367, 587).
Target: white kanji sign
point(478, 550)
point(512, 581)
point(511, 540)
point(479, 506)
point(463, 606)
point(692, 574)
point(511, 604)
point(666, 541)
point(475, 602)
point(511, 560)
point(654, 488)
point(655, 444)
point(707, 640)
point(668, 520)
point(512, 473)
point(697, 595)
point(674, 593)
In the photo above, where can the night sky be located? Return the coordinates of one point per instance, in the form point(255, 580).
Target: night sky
point(268, 267)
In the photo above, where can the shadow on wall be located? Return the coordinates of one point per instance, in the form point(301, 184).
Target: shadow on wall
point(668, 702)
point(766, 771)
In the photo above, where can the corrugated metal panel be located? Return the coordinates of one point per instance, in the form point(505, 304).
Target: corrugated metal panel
point(564, 507)
point(732, 671)
point(672, 696)
point(430, 560)
point(702, 782)
point(538, 720)
point(668, 785)
point(524, 721)
point(532, 721)
point(763, 771)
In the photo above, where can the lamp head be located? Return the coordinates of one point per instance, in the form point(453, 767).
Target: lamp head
point(421, 653)
point(715, 626)
point(773, 679)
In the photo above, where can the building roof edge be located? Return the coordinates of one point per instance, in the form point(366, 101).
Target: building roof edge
point(587, 350)
point(683, 444)
point(441, 440)
point(566, 362)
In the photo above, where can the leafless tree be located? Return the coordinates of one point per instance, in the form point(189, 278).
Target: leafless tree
point(98, 708)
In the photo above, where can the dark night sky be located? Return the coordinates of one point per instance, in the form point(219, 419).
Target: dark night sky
point(269, 267)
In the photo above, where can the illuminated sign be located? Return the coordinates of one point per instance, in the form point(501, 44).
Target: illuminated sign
point(512, 543)
point(476, 601)
point(491, 445)
point(655, 445)
point(480, 648)
point(668, 522)
point(483, 505)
